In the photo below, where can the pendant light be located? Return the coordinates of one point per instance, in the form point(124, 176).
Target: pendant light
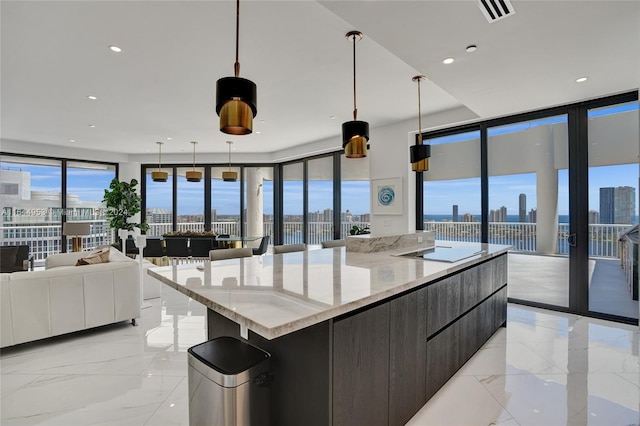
point(194, 175)
point(230, 176)
point(355, 134)
point(419, 152)
point(159, 176)
point(236, 97)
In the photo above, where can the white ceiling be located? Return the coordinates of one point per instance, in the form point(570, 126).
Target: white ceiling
point(54, 54)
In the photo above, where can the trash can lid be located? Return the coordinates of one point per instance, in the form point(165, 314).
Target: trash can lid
point(228, 355)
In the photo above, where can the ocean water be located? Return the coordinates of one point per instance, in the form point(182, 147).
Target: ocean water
point(563, 218)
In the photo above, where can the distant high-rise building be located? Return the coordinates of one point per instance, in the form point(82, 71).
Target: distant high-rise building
point(455, 212)
point(617, 205)
point(594, 216)
point(533, 216)
point(522, 211)
point(499, 215)
point(468, 217)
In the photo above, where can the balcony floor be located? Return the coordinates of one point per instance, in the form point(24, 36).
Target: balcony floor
point(545, 279)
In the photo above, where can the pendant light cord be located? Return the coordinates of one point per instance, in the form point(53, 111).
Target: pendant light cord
point(419, 116)
point(355, 109)
point(236, 66)
point(159, 156)
point(194, 156)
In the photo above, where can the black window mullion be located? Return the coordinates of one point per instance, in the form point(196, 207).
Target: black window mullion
point(305, 200)
point(337, 196)
point(174, 201)
point(278, 217)
point(63, 204)
point(578, 209)
point(207, 198)
point(484, 185)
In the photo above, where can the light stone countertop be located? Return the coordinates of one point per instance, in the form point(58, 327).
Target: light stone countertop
point(279, 294)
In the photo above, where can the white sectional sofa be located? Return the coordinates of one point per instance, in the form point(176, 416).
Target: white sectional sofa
point(64, 298)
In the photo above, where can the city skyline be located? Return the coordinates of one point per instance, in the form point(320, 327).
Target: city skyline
point(89, 185)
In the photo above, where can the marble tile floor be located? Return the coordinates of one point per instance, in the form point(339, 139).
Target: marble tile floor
point(545, 368)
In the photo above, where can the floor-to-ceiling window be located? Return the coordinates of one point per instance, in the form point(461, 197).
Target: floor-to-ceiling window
point(37, 196)
point(86, 183)
point(293, 203)
point(258, 202)
point(613, 208)
point(355, 197)
point(547, 178)
point(159, 203)
point(451, 193)
point(31, 191)
point(529, 205)
point(190, 202)
point(320, 204)
point(225, 201)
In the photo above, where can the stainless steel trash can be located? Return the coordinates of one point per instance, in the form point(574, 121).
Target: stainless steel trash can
point(228, 383)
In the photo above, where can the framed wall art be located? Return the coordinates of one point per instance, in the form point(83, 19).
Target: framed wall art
point(387, 195)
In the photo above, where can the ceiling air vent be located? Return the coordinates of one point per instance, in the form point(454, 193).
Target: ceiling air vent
point(494, 10)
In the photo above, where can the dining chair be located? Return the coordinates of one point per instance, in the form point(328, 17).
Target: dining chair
point(333, 243)
point(176, 248)
point(154, 248)
point(262, 248)
point(232, 253)
point(288, 248)
point(200, 247)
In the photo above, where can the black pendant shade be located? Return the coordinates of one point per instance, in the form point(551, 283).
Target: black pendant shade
point(355, 135)
point(356, 128)
point(236, 104)
point(419, 152)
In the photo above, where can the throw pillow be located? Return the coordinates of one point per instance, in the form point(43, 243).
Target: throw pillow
point(100, 255)
point(8, 256)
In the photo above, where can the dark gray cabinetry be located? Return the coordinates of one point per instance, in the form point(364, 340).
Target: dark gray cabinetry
point(361, 368)
point(407, 351)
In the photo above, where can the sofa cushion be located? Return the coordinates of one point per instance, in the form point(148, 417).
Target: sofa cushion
point(100, 255)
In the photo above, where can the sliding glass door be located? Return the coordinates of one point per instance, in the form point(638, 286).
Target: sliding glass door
point(613, 210)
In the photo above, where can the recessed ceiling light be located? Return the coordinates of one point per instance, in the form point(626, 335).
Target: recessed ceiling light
point(169, 139)
point(471, 48)
point(115, 48)
point(93, 98)
point(92, 125)
point(72, 140)
point(332, 117)
point(448, 61)
point(581, 79)
point(258, 133)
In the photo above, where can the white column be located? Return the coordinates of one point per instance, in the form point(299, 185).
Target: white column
point(547, 194)
point(255, 219)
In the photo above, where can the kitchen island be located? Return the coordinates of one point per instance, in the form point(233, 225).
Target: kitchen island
point(355, 338)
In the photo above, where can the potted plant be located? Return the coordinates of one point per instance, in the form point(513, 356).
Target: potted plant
point(359, 230)
point(122, 203)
